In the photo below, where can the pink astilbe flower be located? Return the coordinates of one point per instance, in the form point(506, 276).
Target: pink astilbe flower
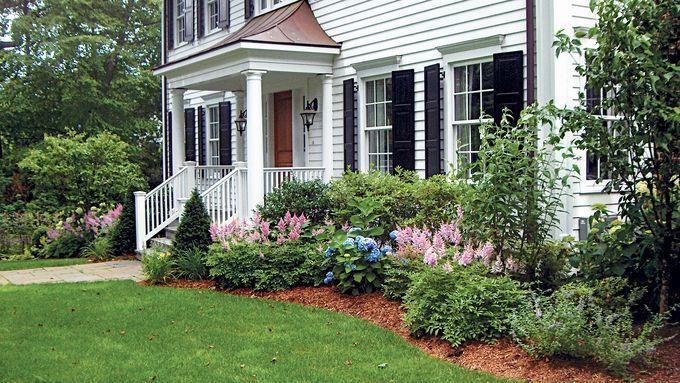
point(53, 234)
point(287, 217)
point(261, 255)
point(302, 219)
point(254, 236)
point(497, 266)
point(511, 265)
point(485, 253)
point(404, 236)
point(328, 222)
point(264, 228)
point(316, 232)
point(447, 231)
point(281, 225)
point(457, 237)
point(257, 218)
point(293, 221)
point(280, 239)
point(430, 257)
point(468, 256)
point(447, 267)
point(459, 212)
point(438, 243)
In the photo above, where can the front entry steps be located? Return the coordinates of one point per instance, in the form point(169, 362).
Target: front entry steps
point(166, 241)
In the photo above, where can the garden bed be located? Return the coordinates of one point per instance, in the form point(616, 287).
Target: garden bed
point(504, 358)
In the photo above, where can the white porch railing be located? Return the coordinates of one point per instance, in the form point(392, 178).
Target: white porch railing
point(226, 199)
point(274, 177)
point(207, 176)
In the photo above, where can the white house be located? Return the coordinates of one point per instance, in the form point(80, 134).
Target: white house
point(391, 82)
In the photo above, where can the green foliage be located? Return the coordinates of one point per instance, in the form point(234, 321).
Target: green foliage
point(100, 249)
point(404, 198)
point(194, 226)
point(267, 267)
point(190, 264)
point(399, 275)
point(123, 234)
point(518, 186)
point(547, 267)
point(636, 60)
point(157, 264)
point(73, 171)
point(66, 246)
point(297, 197)
point(462, 305)
point(581, 321)
point(38, 241)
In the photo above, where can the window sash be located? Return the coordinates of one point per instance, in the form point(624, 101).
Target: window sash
point(214, 135)
point(212, 15)
point(180, 25)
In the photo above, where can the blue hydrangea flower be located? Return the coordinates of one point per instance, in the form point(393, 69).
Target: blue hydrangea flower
point(393, 235)
point(354, 230)
point(330, 251)
point(348, 242)
point(366, 244)
point(374, 256)
point(351, 266)
point(329, 278)
point(385, 250)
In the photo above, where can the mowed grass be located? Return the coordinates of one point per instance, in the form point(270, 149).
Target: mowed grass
point(123, 332)
point(37, 263)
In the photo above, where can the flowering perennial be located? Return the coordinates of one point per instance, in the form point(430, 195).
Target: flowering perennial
point(288, 228)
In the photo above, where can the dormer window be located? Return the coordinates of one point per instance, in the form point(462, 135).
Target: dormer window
point(180, 22)
point(266, 5)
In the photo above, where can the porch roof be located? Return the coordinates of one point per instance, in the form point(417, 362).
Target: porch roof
point(292, 25)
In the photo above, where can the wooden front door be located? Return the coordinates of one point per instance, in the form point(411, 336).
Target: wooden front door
point(283, 129)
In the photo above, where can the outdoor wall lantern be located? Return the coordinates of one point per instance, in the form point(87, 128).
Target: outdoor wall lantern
point(241, 122)
point(309, 112)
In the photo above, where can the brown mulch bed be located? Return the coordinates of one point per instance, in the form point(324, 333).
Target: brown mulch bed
point(503, 358)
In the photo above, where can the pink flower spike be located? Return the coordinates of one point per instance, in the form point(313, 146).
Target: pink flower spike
point(459, 211)
point(287, 217)
point(302, 219)
point(447, 267)
point(264, 228)
point(430, 257)
point(281, 225)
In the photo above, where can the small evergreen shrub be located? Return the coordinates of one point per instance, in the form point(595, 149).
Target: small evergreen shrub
point(267, 267)
point(123, 234)
point(577, 321)
point(190, 264)
point(157, 264)
point(100, 249)
point(297, 197)
point(399, 275)
point(194, 226)
point(460, 305)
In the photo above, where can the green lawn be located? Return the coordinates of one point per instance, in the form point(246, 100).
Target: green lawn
point(123, 332)
point(35, 263)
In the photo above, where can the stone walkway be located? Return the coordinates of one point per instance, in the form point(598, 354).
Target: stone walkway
point(77, 273)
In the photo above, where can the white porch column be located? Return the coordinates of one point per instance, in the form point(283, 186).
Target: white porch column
point(177, 129)
point(140, 221)
point(255, 141)
point(240, 142)
point(327, 126)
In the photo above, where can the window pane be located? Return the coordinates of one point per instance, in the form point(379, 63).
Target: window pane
point(370, 92)
point(379, 90)
point(388, 89)
point(370, 116)
point(460, 107)
point(591, 166)
point(474, 106)
point(487, 75)
point(388, 114)
point(459, 74)
point(380, 115)
point(464, 137)
point(474, 138)
point(487, 103)
point(263, 4)
point(473, 77)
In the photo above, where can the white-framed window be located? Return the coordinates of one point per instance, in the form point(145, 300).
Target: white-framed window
point(596, 166)
point(267, 5)
point(212, 15)
point(213, 135)
point(472, 104)
point(378, 113)
point(180, 22)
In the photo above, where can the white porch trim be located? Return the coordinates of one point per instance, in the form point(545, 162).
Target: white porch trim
point(255, 141)
point(177, 133)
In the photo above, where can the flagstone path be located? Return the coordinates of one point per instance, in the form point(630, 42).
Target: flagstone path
point(91, 272)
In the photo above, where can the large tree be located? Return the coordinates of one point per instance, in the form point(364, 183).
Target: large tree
point(81, 65)
point(635, 68)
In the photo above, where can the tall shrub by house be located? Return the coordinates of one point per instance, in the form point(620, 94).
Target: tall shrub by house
point(123, 234)
point(194, 227)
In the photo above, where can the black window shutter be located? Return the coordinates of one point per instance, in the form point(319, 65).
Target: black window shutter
point(200, 18)
point(508, 83)
point(432, 121)
point(168, 145)
point(190, 134)
point(225, 132)
point(348, 124)
point(403, 120)
point(189, 21)
point(201, 136)
point(249, 9)
point(169, 24)
point(224, 12)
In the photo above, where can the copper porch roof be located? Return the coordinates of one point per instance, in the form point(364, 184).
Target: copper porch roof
point(294, 24)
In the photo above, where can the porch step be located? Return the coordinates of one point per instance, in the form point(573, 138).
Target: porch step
point(161, 241)
point(171, 231)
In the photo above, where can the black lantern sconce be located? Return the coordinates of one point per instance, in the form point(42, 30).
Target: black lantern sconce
point(309, 112)
point(241, 122)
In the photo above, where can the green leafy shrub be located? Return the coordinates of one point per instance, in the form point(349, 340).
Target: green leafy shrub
point(38, 241)
point(548, 266)
point(66, 246)
point(99, 249)
point(399, 275)
point(579, 321)
point(266, 267)
point(464, 304)
point(157, 264)
point(123, 234)
point(298, 197)
point(190, 264)
point(194, 226)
